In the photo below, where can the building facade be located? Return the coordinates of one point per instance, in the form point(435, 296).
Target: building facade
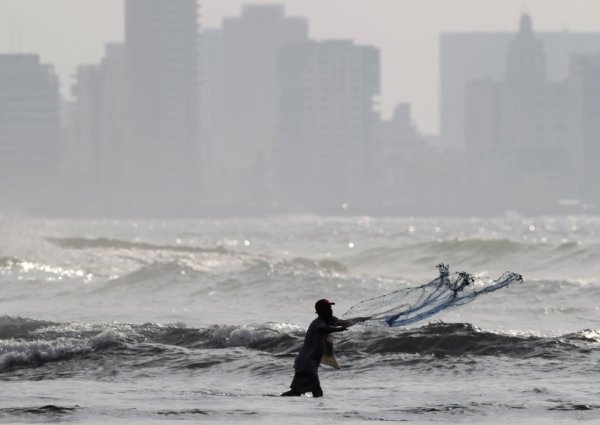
point(326, 122)
point(101, 153)
point(161, 66)
point(584, 111)
point(483, 56)
point(240, 92)
point(517, 129)
point(30, 150)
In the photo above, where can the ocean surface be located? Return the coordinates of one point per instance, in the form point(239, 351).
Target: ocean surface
point(156, 321)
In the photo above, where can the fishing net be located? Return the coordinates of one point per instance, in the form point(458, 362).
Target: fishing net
point(411, 305)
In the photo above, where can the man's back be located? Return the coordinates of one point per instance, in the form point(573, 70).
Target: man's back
point(312, 350)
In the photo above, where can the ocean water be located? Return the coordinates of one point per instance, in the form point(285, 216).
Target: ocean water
point(109, 322)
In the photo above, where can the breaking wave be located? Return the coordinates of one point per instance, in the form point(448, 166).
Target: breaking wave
point(29, 344)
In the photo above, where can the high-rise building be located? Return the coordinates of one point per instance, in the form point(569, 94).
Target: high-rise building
point(525, 97)
point(524, 114)
point(240, 92)
point(209, 49)
point(161, 54)
point(584, 113)
point(30, 152)
point(519, 126)
point(326, 121)
point(483, 55)
point(525, 58)
point(100, 153)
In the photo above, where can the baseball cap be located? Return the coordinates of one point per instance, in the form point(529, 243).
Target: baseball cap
point(319, 305)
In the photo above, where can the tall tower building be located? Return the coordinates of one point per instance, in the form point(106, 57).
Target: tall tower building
point(240, 92)
point(526, 59)
point(524, 94)
point(522, 115)
point(29, 131)
point(326, 121)
point(519, 126)
point(161, 38)
point(483, 56)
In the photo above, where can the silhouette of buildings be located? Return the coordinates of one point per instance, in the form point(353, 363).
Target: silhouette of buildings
point(471, 56)
point(521, 116)
point(161, 66)
point(255, 116)
point(326, 122)
point(29, 131)
point(584, 112)
point(101, 154)
point(240, 93)
point(519, 131)
point(135, 138)
point(402, 167)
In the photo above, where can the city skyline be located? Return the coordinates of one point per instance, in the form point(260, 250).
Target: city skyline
point(258, 115)
point(387, 27)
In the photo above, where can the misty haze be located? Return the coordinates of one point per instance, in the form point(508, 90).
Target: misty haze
point(383, 210)
point(255, 116)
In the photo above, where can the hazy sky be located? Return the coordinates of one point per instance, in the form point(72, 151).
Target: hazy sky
point(71, 32)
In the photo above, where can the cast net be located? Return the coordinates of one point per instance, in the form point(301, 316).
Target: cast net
point(411, 305)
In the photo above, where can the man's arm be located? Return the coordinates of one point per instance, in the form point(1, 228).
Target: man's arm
point(349, 322)
point(332, 329)
point(332, 326)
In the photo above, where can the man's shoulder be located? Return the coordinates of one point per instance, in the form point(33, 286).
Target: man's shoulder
point(317, 323)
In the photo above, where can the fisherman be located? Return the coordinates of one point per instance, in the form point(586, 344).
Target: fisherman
point(316, 345)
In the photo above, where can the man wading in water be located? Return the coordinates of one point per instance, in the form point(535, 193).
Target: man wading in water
point(316, 349)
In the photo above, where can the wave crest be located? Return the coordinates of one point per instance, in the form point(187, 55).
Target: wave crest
point(107, 243)
point(39, 342)
point(17, 353)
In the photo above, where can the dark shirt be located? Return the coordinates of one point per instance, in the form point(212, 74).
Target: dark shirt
point(310, 355)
